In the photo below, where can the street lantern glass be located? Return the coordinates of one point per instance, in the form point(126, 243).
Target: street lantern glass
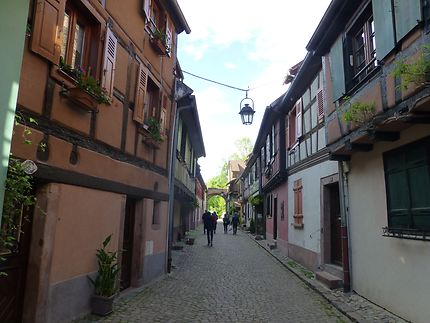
point(247, 114)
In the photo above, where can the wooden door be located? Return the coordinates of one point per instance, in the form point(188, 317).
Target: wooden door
point(12, 285)
point(335, 222)
point(127, 244)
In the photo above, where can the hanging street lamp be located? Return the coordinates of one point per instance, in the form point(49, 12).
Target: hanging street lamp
point(247, 110)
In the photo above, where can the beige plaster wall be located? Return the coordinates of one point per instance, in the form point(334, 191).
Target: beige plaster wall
point(85, 217)
point(389, 271)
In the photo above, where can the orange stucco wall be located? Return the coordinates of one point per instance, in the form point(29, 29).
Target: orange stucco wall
point(81, 228)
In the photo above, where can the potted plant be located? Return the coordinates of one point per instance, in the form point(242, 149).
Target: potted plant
point(152, 135)
point(416, 72)
point(106, 281)
point(359, 112)
point(159, 41)
point(87, 93)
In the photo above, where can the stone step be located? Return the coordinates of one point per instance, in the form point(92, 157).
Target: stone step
point(328, 279)
point(333, 269)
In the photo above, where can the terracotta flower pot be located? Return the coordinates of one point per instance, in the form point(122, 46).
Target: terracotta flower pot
point(83, 99)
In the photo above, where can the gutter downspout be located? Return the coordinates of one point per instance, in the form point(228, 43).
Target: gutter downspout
point(343, 168)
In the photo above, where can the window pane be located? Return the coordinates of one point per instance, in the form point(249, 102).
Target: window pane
point(65, 35)
point(78, 46)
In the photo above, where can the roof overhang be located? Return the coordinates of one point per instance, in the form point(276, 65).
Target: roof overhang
point(177, 16)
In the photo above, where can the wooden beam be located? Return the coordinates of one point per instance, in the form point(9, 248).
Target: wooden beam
point(337, 157)
point(352, 146)
point(384, 135)
point(417, 118)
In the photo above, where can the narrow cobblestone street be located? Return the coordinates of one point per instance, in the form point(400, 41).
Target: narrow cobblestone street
point(233, 281)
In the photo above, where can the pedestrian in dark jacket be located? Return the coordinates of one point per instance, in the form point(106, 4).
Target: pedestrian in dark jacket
point(204, 223)
point(208, 223)
point(235, 222)
point(225, 222)
point(214, 219)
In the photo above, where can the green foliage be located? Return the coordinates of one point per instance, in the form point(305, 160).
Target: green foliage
point(154, 129)
point(18, 197)
point(252, 226)
point(217, 204)
point(243, 149)
point(106, 282)
point(359, 112)
point(416, 72)
point(158, 34)
point(256, 200)
point(86, 82)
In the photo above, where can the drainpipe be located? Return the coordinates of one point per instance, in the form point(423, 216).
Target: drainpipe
point(344, 214)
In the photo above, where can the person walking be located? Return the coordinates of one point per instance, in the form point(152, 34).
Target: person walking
point(235, 222)
point(215, 220)
point(205, 214)
point(208, 223)
point(225, 222)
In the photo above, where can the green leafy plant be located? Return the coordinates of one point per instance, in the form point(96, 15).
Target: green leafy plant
point(154, 129)
point(18, 195)
point(106, 282)
point(359, 112)
point(158, 34)
point(417, 72)
point(86, 82)
point(256, 200)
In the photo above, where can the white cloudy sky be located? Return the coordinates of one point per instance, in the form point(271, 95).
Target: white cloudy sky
point(243, 43)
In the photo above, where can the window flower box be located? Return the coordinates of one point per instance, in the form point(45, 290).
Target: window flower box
point(158, 42)
point(81, 98)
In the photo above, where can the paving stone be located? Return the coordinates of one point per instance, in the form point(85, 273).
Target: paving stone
point(233, 281)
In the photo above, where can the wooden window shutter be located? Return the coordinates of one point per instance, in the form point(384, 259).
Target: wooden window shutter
point(168, 39)
point(320, 104)
point(109, 61)
point(147, 9)
point(139, 102)
point(384, 30)
point(299, 131)
point(47, 29)
point(407, 16)
point(337, 69)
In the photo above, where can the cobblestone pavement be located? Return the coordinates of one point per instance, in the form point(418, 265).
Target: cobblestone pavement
point(233, 281)
point(351, 304)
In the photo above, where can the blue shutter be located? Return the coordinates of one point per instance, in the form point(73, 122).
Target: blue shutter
point(408, 15)
point(337, 69)
point(384, 29)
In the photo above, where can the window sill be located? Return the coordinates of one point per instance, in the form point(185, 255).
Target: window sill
point(409, 234)
point(298, 225)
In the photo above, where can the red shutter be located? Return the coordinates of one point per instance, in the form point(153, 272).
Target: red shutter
point(47, 29)
point(320, 103)
point(139, 102)
point(109, 61)
point(299, 119)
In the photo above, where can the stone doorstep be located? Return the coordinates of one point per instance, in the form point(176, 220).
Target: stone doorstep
point(328, 279)
point(333, 269)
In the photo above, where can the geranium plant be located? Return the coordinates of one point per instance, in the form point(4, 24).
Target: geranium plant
point(85, 81)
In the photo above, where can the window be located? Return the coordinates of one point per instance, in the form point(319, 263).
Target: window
point(407, 180)
point(80, 36)
point(298, 204)
point(152, 100)
point(361, 48)
point(269, 205)
point(156, 213)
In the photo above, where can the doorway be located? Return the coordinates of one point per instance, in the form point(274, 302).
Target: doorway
point(127, 244)
point(335, 225)
point(275, 218)
point(12, 286)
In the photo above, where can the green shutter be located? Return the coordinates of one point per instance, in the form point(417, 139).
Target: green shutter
point(384, 30)
point(408, 15)
point(337, 69)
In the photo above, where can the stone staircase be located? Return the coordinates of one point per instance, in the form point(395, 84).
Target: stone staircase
point(331, 276)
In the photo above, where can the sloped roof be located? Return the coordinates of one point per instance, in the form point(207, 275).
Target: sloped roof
point(237, 165)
